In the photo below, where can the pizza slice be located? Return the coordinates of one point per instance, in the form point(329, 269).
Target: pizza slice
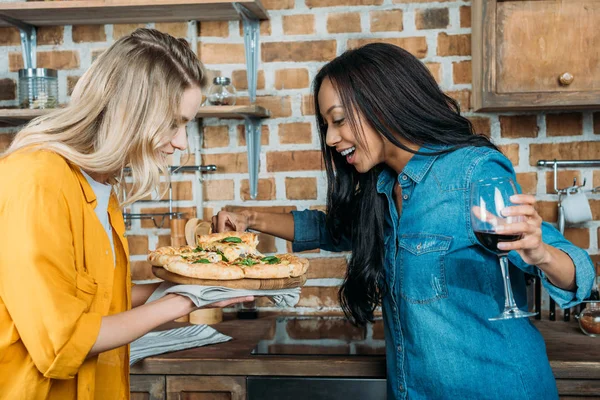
point(231, 245)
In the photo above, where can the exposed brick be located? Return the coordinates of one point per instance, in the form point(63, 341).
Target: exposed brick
point(518, 126)
point(95, 53)
point(163, 240)
point(60, 60)
point(5, 140)
point(9, 36)
point(177, 29)
point(71, 82)
point(264, 135)
point(295, 133)
point(461, 72)
point(266, 189)
point(305, 160)
point(596, 116)
point(336, 3)
point(221, 189)
point(580, 237)
point(221, 53)
point(141, 271)
point(378, 330)
point(291, 78)
point(463, 97)
point(89, 33)
point(298, 24)
point(213, 28)
point(266, 243)
point(465, 17)
point(417, 46)
point(278, 4)
point(50, 35)
point(181, 190)
point(327, 267)
point(318, 297)
point(343, 22)
point(280, 106)
point(432, 18)
point(595, 206)
point(548, 210)
point(566, 124)
point(239, 79)
point(417, 1)
point(386, 21)
point(564, 179)
point(318, 50)
point(338, 328)
point(596, 179)
point(215, 136)
point(207, 213)
point(511, 151)
point(120, 30)
point(436, 70)
point(564, 151)
point(301, 188)
point(8, 89)
point(481, 125)
point(227, 163)
point(453, 45)
point(308, 104)
point(138, 244)
point(528, 182)
point(188, 212)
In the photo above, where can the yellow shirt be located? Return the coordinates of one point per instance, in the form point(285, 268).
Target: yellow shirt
point(57, 280)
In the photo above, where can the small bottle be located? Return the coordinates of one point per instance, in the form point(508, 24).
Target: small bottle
point(221, 92)
point(38, 88)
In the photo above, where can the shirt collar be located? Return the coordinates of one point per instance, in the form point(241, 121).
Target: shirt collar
point(416, 168)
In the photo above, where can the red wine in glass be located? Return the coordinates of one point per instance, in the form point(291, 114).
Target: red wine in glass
point(490, 239)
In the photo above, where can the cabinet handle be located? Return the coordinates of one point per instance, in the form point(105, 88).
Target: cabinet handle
point(566, 79)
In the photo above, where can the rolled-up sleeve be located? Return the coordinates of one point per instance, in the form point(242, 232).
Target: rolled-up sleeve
point(494, 164)
point(46, 297)
point(310, 232)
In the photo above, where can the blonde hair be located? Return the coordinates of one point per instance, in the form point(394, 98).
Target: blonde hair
point(122, 111)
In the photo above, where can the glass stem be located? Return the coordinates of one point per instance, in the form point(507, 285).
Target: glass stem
point(509, 300)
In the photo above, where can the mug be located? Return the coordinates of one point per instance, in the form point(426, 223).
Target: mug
point(576, 208)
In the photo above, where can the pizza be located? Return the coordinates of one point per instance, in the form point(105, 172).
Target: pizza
point(227, 256)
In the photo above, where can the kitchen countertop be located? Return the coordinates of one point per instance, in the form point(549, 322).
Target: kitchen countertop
point(572, 355)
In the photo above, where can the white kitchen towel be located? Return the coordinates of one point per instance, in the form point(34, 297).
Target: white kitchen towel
point(204, 295)
point(154, 343)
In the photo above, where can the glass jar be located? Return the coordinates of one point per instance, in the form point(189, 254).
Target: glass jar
point(38, 88)
point(589, 319)
point(221, 92)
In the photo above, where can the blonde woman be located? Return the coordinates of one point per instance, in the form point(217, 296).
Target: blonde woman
point(67, 309)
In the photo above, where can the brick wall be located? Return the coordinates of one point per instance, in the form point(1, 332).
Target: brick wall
point(300, 36)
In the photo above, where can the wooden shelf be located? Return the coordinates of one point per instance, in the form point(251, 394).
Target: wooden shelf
point(16, 117)
point(98, 12)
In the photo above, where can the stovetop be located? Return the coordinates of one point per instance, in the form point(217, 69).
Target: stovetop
point(311, 335)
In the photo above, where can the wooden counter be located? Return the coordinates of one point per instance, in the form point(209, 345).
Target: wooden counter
point(574, 357)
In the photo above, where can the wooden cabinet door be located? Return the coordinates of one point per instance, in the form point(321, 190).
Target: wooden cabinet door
point(206, 388)
point(533, 54)
point(147, 387)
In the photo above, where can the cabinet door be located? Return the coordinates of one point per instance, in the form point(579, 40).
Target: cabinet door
point(531, 54)
point(206, 388)
point(147, 387)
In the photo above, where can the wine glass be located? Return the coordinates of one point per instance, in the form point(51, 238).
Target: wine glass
point(488, 198)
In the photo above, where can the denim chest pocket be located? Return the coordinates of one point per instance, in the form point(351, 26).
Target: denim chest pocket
point(422, 269)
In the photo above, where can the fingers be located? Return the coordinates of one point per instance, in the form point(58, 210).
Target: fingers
point(523, 199)
point(526, 243)
point(228, 302)
point(518, 228)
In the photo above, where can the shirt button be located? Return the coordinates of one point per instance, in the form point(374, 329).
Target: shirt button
point(106, 252)
point(401, 388)
point(404, 177)
point(419, 246)
point(405, 197)
point(399, 348)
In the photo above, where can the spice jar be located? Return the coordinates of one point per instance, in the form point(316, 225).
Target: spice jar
point(589, 319)
point(221, 92)
point(38, 88)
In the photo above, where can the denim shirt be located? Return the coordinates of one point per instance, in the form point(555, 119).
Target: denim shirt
point(443, 287)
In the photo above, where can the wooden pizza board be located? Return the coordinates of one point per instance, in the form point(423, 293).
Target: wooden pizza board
point(251, 284)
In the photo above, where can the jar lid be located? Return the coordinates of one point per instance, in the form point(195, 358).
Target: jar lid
point(222, 80)
point(38, 73)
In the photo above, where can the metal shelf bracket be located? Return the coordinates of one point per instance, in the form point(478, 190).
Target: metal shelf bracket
point(28, 40)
